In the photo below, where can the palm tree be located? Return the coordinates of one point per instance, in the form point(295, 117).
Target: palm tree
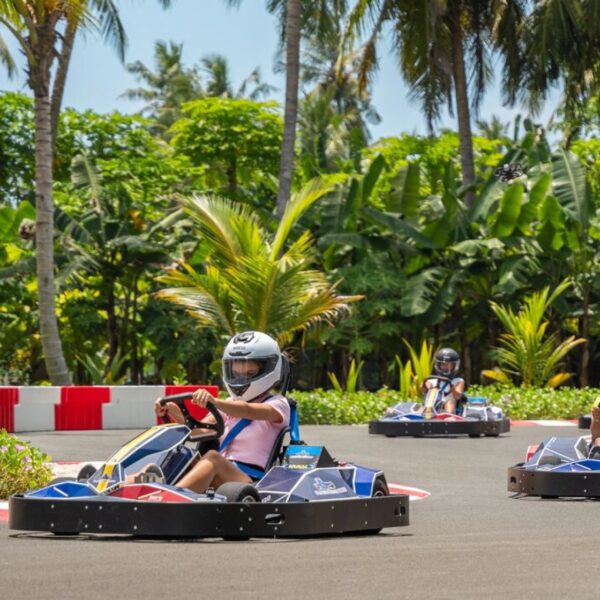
point(38, 26)
point(219, 81)
point(253, 279)
point(441, 47)
point(560, 42)
point(167, 87)
point(296, 17)
point(107, 20)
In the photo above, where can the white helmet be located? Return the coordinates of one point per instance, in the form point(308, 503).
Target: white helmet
point(242, 381)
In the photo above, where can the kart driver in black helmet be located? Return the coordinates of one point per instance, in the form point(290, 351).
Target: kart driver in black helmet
point(446, 366)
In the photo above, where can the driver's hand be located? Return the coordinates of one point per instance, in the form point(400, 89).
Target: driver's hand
point(201, 398)
point(170, 409)
point(428, 384)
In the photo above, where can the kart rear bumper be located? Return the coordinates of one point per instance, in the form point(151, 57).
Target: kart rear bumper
point(433, 427)
point(207, 519)
point(553, 484)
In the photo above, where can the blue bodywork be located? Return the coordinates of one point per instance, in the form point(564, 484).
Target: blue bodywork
point(473, 408)
point(563, 455)
point(305, 473)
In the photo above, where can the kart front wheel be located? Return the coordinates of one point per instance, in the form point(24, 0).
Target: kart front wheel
point(238, 492)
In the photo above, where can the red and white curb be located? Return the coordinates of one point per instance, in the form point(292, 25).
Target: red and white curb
point(3, 512)
point(544, 423)
point(412, 492)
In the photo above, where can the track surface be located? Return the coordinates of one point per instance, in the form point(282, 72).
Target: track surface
point(469, 539)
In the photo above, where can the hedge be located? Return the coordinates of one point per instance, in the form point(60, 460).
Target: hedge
point(322, 407)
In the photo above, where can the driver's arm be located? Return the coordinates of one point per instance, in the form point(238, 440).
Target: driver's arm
point(238, 408)
point(458, 390)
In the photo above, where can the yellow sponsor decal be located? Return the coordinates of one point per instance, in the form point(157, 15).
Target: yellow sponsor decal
point(129, 446)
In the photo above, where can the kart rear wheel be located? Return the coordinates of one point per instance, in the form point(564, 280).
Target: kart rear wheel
point(235, 491)
point(86, 472)
point(380, 488)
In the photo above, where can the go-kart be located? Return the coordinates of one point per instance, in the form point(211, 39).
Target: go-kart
point(303, 491)
point(558, 467)
point(474, 416)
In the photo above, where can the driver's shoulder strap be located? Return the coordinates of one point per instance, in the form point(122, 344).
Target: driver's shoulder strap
point(234, 432)
point(238, 428)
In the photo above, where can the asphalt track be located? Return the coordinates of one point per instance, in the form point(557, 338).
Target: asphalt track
point(469, 539)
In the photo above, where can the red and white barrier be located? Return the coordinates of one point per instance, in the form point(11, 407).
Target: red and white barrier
point(85, 407)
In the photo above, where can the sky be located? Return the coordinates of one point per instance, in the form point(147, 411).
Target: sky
point(248, 38)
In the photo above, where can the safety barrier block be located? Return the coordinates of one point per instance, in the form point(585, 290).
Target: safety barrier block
point(9, 397)
point(80, 407)
point(35, 410)
point(131, 407)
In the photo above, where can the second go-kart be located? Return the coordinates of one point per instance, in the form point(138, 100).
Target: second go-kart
point(303, 492)
point(558, 467)
point(474, 416)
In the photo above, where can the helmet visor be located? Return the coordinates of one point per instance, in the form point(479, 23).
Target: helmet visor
point(443, 367)
point(241, 372)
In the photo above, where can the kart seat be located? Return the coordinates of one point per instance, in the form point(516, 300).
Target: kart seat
point(292, 430)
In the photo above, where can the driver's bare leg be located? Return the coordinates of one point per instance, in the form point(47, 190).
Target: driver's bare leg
point(212, 468)
point(450, 406)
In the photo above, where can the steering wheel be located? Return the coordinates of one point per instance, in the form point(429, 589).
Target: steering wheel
point(179, 399)
point(439, 378)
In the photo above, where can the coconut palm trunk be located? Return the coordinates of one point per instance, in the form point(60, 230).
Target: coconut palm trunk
point(58, 89)
point(462, 106)
point(292, 69)
point(44, 238)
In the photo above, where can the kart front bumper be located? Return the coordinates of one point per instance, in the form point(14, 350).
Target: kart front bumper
point(553, 484)
point(433, 428)
point(207, 519)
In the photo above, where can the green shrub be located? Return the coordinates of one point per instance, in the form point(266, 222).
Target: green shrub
point(22, 467)
point(538, 403)
point(331, 407)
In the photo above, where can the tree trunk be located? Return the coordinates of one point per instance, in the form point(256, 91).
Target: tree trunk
point(44, 238)
point(584, 374)
point(232, 177)
point(58, 88)
point(462, 106)
point(292, 70)
point(111, 322)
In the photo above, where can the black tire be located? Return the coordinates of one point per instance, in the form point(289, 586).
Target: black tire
point(380, 489)
point(86, 472)
point(549, 459)
point(474, 435)
point(238, 492)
